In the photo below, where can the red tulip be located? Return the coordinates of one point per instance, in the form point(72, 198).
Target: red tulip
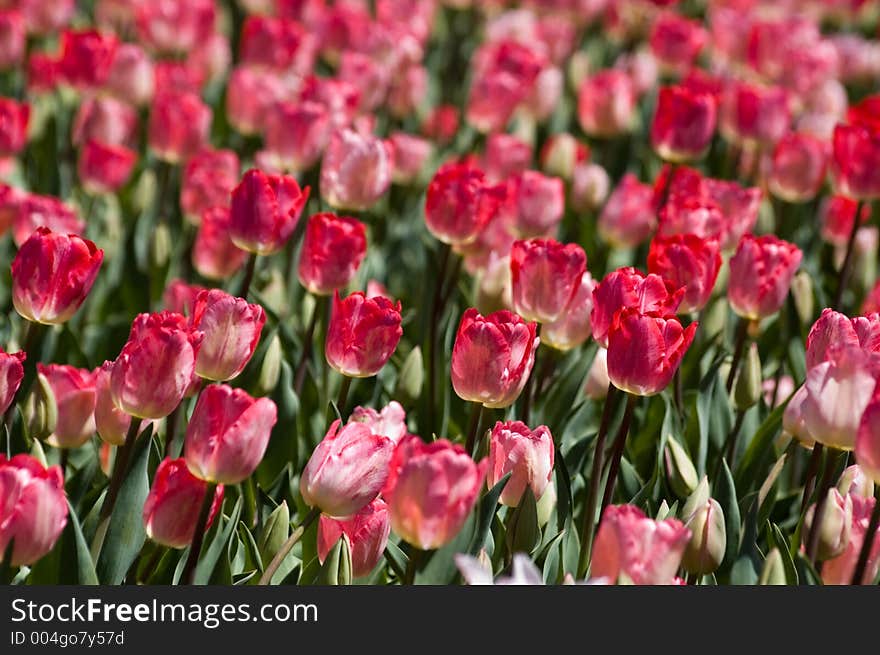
point(856, 161)
point(573, 326)
point(34, 509)
point(362, 335)
point(131, 76)
point(250, 93)
point(104, 168)
point(688, 262)
point(683, 125)
point(156, 366)
point(42, 73)
point(645, 350)
point(172, 508)
point(492, 357)
point(356, 170)
point(606, 103)
point(52, 274)
point(11, 375)
point(208, 180)
point(628, 218)
point(760, 275)
point(628, 287)
point(431, 490)
point(628, 543)
point(179, 125)
point(367, 533)
point(339, 97)
point(460, 203)
point(180, 297)
point(411, 153)
point(265, 211)
point(505, 156)
point(676, 41)
point(754, 113)
point(228, 434)
point(798, 167)
point(739, 206)
point(441, 124)
point(540, 204)
point(111, 423)
point(214, 255)
point(332, 251)
point(31, 211)
point(837, 215)
point(368, 76)
point(278, 43)
point(296, 134)
point(105, 119)
point(13, 126)
point(545, 275)
point(232, 330)
point(347, 470)
point(867, 445)
point(12, 39)
point(834, 329)
point(175, 26)
point(86, 57)
point(525, 453)
point(75, 396)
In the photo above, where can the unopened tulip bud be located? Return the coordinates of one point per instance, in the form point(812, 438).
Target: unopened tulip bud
point(270, 371)
point(160, 245)
point(855, 481)
point(697, 499)
point(802, 294)
point(705, 551)
point(546, 504)
point(749, 380)
point(408, 387)
point(336, 568)
point(590, 185)
point(836, 527)
point(42, 409)
point(275, 532)
point(523, 533)
point(773, 572)
point(597, 383)
point(680, 471)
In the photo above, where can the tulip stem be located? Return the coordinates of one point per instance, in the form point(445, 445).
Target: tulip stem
point(433, 320)
point(300, 378)
point(63, 457)
point(819, 515)
point(288, 545)
point(474, 427)
point(189, 570)
point(250, 267)
point(846, 268)
point(595, 474)
point(342, 398)
point(812, 470)
point(617, 452)
point(412, 564)
point(729, 450)
point(738, 347)
point(120, 467)
point(868, 543)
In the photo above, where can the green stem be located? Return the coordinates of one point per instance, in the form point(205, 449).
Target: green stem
point(189, 570)
point(846, 268)
point(617, 453)
point(474, 427)
point(288, 545)
point(821, 504)
point(738, 348)
point(342, 398)
point(433, 320)
point(120, 468)
point(302, 367)
point(248, 276)
point(412, 565)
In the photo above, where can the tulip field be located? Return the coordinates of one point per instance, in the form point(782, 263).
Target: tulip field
point(439, 292)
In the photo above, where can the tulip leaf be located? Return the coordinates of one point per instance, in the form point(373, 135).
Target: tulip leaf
point(725, 494)
point(486, 509)
point(396, 558)
point(208, 560)
point(777, 539)
point(84, 565)
point(760, 447)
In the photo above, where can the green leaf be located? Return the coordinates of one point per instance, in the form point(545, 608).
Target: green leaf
point(777, 539)
point(758, 450)
point(486, 509)
point(725, 494)
point(209, 559)
point(84, 565)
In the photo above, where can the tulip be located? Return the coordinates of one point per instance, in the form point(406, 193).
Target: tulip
point(179, 125)
point(834, 329)
point(362, 335)
point(356, 170)
point(645, 350)
point(540, 204)
point(854, 480)
point(75, 396)
point(683, 124)
point(31, 211)
point(676, 41)
point(492, 357)
point(707, 546)
point(339, 97)
point(573, 327)
point(460, 203)
point(11, 375)
point(180, 297)
point(227, 434)
point(86, 57)
point(526, 454)
point(175, 26)
point(545, 275)
point(411, 154)
point(34, 510)
point(347, 470)
point(855, 161)
point(105, 119)
point(12, 39)
point(52, 274)
point(367, 533)
point(111, 423)
point(214, 255)
point(836, 528)
point(104, 168)
point(131, 75)
point(562, 154)
point(596, 386)
point(368, 76)
point(297, 133)
point(606, 104)
point(156, 366)
point(172, 507)
point(390, 422)
point(739, 208)
point(753, 113)
point(505, 156)
point(867, 445)
point(841, 569)
point(837, 392)
point(688, 262)
point(797, 168)
point(408, 91)
point(837, 215)
point(441, 124)
point(42, 73)
point(13, 126)
point(278, 43)
point(628, 543)
point(589, 186)
point(628, 287)
point(793, 418)
point(431, 490)
point(760, 275)
point(628, 218)
point(332, 251)
point(250, 93)
point(265, 211)
point(208, 180)
point(231, 330)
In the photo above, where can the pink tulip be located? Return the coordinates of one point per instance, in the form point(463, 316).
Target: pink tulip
point(362, 335)
point(11, 375)
point(367, 533)
point(356, 170)
point(75, 396)
point(525, 453)
point(232, 330)
point(545, 275)
point(760, 275)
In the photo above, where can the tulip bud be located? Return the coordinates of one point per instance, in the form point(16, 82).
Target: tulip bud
point(172, 507)
point(42, 409)
point(802, 294)
point(523, 533)
point(11, 375)
point(365, 535)
point(561, 154)
point(836, 527)
point(749, 380)
point(590, 185)
point(362, 335)
point(697, 499)
point(460, 202)
point(275, 532)
point(680, 471)
point(35, 508)
point(546, 504)
point(13, 126)
point(773, 572)
point(270, 370)
point(855, 481)
point(597, 383)
point(408, 387)
point(160, 246)
point(705, 551)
